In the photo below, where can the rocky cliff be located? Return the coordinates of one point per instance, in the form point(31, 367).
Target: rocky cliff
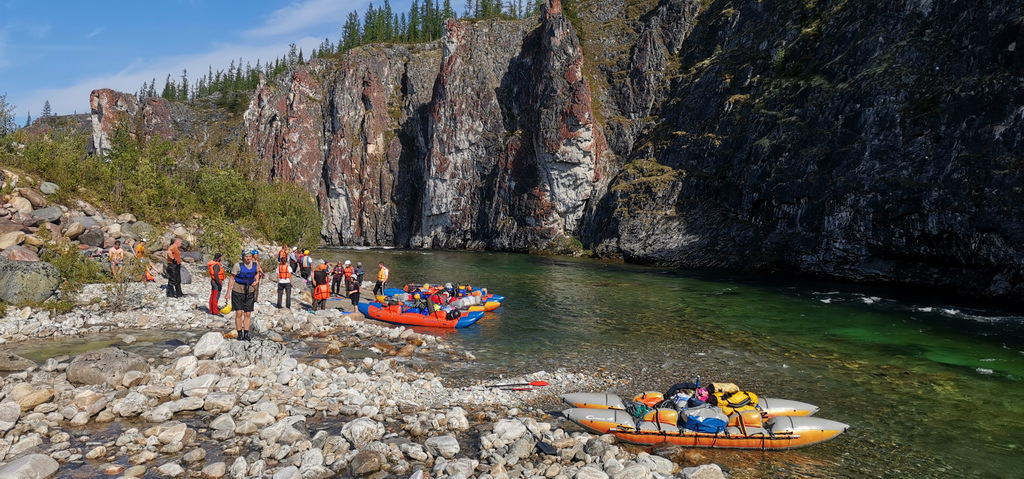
point(877, 142)
point(874, 142)
point(485, 139)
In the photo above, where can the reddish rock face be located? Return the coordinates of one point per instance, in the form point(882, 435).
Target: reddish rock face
point(484, 140)
point(110, 109)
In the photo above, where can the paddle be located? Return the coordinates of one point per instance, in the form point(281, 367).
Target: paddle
point(544, 447)
point(531, 383)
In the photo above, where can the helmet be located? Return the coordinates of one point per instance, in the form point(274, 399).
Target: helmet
point(226, 309)
point(305, 252)
point(255, 252)
point(347, 262)
point(359, 263)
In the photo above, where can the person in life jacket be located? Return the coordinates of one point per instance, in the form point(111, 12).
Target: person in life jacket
point(382, 279)
point(282, 253)
point(244, 280)
point(349, 271)
point(284, 281)
point(174, 270)
point(306, 264)
point(337, 278)
point(216, 270)
point(321, 288)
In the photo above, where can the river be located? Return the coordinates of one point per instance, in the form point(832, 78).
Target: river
point(931, 389)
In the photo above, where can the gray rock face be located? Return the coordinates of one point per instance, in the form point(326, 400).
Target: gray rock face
point(104, 366)
point(24, 282)
point(32, 466)
point(92, 237)
point(51, 214)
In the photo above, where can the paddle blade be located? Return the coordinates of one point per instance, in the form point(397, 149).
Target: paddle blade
point(538, 383)
point(546, 448)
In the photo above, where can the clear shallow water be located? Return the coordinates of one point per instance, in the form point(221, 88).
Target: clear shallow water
point(931, 389)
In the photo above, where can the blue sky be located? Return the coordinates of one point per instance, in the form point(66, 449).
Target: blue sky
point(62, 50)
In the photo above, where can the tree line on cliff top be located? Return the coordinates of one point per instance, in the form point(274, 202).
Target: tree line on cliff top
point(422, 23)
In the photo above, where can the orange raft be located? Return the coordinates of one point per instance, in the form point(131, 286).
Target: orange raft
point(780, 432)
point(396, 314)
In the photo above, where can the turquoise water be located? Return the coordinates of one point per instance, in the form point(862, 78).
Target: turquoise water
point(930, 389)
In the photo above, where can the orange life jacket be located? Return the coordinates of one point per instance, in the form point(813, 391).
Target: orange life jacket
point(322, 291)
point(382, 275)
point(348, 272)
point(148, 276)
point(209, 267)
point(284, 272)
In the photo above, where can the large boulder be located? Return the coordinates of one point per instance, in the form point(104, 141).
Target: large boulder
point(20, 253)
point(36, 198)
point(10, 362)
point(6, 226)
point(50, 214)
point(74, 230)
point(104, 366)
point(27, 282)
point(86, 221)
point(48, 188)
point(11, 239)
point(92, 237)
point(143, 230)
point(32, 466)
point(186, 277)
point(21, 205)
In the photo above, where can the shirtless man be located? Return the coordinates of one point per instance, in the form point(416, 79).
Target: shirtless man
point(116, 258)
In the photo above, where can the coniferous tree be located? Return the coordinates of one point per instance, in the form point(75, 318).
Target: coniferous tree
point(414, 22)
point(46, 110)
point(447, 11)
point(28, 121)
point(386, 19)
point(183, 89)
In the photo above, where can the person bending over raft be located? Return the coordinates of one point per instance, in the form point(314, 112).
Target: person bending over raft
point(243, 282)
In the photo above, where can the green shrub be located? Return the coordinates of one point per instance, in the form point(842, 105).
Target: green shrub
point(75, 270)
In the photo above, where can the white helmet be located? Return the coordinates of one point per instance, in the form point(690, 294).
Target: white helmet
point(347, 262)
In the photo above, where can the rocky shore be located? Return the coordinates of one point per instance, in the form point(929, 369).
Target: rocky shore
point(361, 400)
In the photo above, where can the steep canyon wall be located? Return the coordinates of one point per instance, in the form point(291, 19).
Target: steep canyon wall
point(879, 141)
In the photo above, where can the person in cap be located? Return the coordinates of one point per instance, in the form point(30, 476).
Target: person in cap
point(293, 259)
point(306, 264)
point(140, 251)
point(359, 271)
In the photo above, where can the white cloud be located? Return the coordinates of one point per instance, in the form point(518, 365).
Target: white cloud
point(299, 17)
point(75, 97)
point(94, 33)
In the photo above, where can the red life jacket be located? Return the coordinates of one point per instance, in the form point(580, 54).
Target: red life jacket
point(322, 291)
point(209, 267)
point(284, 272)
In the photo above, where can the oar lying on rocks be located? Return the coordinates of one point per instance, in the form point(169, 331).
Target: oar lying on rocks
point(542, 446)
point(511, 385)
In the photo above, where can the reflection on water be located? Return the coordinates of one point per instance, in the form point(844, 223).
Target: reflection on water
point(931, 390)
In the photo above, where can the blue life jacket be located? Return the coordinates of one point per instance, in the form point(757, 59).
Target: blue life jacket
point(246, 276)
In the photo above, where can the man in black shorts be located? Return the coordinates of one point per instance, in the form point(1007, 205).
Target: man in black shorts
point(245, 278)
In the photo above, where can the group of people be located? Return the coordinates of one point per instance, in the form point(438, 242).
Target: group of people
point(244, 279)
